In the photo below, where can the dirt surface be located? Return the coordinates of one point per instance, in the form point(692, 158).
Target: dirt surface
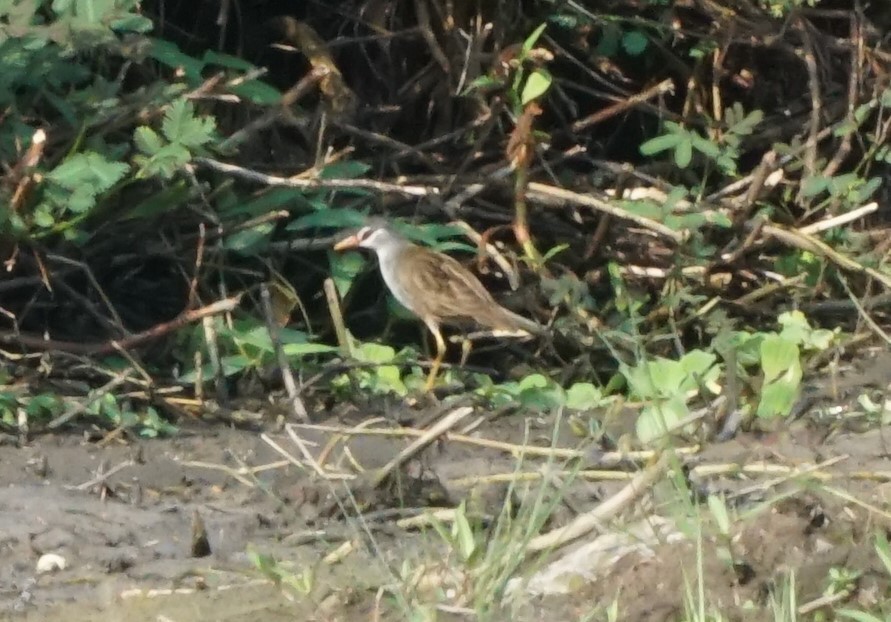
point(127, 539)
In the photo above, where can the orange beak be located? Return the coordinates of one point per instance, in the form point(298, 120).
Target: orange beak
point(350, 242)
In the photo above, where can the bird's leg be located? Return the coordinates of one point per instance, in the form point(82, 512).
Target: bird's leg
point(466, 347)
point(440, 354)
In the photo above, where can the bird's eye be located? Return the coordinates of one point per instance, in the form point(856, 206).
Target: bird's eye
point(364, 234)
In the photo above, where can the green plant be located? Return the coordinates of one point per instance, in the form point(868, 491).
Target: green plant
point(300, 583)
point(244, 347)
point(667, 387)
point(723, 151)
point(523, 76)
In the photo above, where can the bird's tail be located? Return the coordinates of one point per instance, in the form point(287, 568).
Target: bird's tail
point(509, 320)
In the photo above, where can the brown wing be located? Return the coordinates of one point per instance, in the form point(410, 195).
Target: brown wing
point(450, 292)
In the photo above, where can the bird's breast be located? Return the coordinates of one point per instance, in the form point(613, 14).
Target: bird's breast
point(396, 282)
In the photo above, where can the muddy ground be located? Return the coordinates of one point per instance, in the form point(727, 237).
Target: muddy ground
point(127, 539)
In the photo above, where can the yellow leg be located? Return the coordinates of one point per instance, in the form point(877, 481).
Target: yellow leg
point(466, 347)
point(440, 354)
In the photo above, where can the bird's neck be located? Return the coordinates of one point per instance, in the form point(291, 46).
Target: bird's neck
point(391, 258)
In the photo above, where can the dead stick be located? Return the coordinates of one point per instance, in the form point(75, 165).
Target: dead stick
point(107, 347)
point(297, 406)
point(584, 523)
point(438, 429)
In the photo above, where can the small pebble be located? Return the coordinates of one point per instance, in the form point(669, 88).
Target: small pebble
point(50, 562)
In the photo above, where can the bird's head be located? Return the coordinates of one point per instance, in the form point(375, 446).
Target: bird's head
point(376, 236)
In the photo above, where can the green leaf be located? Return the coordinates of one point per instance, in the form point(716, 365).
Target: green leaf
point(386, 378)
point(483, 82)
point(795, 327)
point(147, 140)
point(779, 357)
point(211, 57)
point(814, 185)
point(532, 39)
point(88, 169)
point(266, 201)
point(339, 218)
point(661, 143)
point(533, 381)
point(656, 419)
point(345, 169)
point(634, 42)
point(699, 363)
point(705, 146)
point(169, 54)
point(249, 241)
point(81, 200)
point(132, 22)
point(583, 396)
point(683, 153)
point(777, 399)
point(538, 82)
point(259, 92)
point(668, 377)
point(167, 199)
point(344, 269)
point(180, 125)
point(374, 353)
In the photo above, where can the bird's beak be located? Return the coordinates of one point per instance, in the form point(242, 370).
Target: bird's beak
point(350, 242)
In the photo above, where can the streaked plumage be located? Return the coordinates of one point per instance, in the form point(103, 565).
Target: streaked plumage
point(434, 286)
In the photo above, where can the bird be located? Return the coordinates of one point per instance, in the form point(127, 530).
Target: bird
point(434, 287)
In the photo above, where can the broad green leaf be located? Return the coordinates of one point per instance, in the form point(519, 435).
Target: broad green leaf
point(639, 380)
point(583, 396)
point(668, 377)
point(795, 327)
point(814, 185)
point(340, 218)
point(634, 42)
point(230, 365)
point(344, 269)
point(374, 353)
point(266, 201)
point(538, 82)
point(778, 357)
point(777, 398)
point(534, 381)
point(169, 54)
point(165, 200)
point(259, 92)
point(700, 363)
point(345, 169)
point(387, 378)
point(656, 419)
point(542, 398)
point(248, 241)
point(131, 22)
point(212, 57)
